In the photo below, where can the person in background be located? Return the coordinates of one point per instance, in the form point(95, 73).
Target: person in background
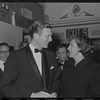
point(62, 57)
point(23, 44)
point(62, 54)
point(82, 79)
point(32, 71)
point(4, 53)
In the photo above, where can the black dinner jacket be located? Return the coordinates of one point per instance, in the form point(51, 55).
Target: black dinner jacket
point(22, 77)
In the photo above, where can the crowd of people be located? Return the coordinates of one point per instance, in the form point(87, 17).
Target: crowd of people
point(34, 71)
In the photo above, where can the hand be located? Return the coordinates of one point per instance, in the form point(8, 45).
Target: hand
point(41, 94)
point(54, 94)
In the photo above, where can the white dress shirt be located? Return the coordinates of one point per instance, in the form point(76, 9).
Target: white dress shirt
point(37, 57)
point(2, 65)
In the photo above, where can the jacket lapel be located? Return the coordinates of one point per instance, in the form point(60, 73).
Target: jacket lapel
point(45, 71)
point(33, 63)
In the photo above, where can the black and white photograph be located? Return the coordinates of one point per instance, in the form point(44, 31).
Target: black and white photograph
point(49, 50)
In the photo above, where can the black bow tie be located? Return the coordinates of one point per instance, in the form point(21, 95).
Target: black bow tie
point(37, 50)
point(4, 64)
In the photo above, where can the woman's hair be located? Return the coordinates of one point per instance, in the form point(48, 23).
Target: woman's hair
point(37, 26)
point(84, 43)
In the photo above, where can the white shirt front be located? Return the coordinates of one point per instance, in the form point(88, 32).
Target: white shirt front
point(37, 57)
point(2, 65)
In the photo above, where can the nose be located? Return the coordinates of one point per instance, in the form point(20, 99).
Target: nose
point(68, 48)
point(50, 38)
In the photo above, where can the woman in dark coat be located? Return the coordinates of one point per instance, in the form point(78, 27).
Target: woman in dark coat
point(82, 78)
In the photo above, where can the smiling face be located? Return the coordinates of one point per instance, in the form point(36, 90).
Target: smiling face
point(73, 49)
point(42, 40)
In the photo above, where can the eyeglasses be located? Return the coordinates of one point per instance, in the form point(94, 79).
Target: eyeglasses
point(5, 52)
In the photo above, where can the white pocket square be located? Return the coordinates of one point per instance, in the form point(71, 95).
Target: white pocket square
point(52, 67)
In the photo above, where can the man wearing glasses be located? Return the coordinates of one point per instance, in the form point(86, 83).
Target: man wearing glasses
point(4, 53)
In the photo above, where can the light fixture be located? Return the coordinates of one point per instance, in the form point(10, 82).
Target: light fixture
point(4, 9)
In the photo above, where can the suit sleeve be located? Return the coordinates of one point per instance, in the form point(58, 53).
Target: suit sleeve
point(8, 85)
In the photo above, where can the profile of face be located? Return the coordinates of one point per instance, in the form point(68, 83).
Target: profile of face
point(4, 52)
point(43, 38)
point(73, 49)
point(62, 54)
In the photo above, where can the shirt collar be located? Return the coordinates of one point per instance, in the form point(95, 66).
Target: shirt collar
point(2, 61)
point(32, 48)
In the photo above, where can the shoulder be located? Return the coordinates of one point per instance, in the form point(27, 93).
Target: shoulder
point(93, 67)
point(18, 52)
point(94, 64)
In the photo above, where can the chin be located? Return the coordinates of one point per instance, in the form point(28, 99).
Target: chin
point(70, 56)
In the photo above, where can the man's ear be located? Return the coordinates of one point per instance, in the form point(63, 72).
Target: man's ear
point(35, 35)
point(79, 49)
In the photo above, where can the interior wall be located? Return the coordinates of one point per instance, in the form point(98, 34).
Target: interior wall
point(37, 10)
point(57, 10)
point(10, 34)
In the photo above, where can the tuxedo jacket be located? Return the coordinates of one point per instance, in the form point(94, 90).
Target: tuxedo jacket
point(1, 73)
point(22, 77)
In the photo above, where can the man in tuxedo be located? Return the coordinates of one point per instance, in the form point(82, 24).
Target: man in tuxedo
point(32, 71)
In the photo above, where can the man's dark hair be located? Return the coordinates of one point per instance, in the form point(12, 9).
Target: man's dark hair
point(61, 46)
